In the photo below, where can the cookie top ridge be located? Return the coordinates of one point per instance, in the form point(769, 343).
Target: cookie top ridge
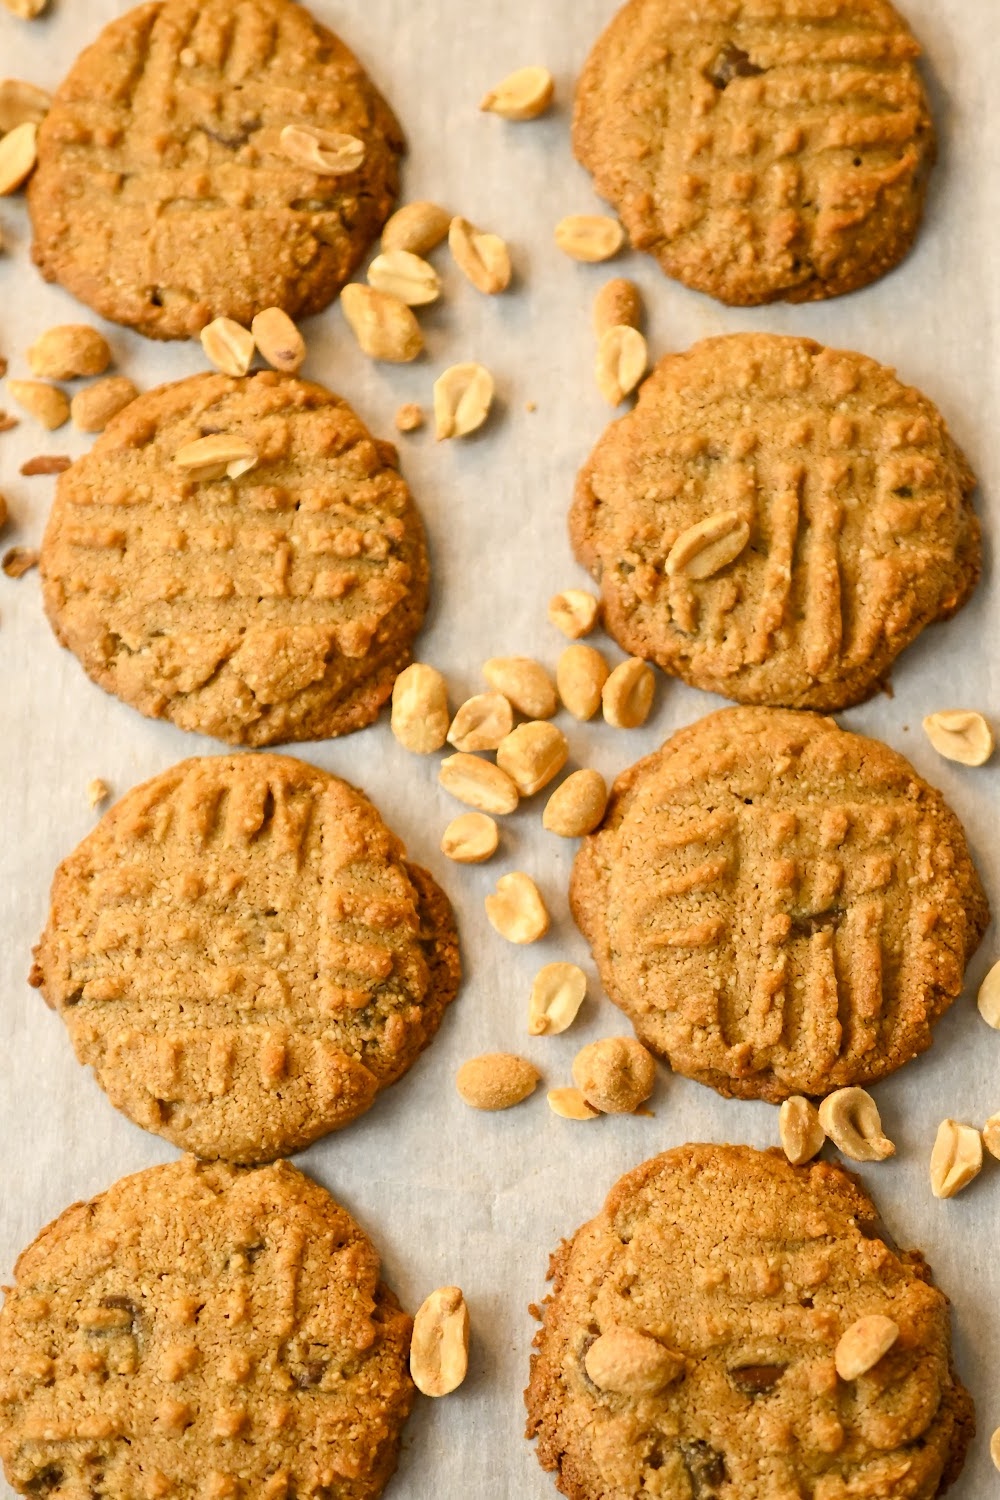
point(242, 953)
point(165, 195)
point(688, 1345)
point(776, 521)
point(203, 1330)
point(760, 149)
point(780, 907)
point(274, 602)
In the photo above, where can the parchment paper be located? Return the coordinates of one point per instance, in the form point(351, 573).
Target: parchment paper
point(449, 1195)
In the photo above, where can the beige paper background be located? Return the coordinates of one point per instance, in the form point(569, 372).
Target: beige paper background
point(450, 1196)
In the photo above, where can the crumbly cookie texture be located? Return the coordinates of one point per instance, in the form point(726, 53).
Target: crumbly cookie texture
point(813, 908)
point(776, 521)
point(273, 604)
point(760, 150)
point(243, 954)
point(165, 196)
point(688, 1345)
point(203, 1330)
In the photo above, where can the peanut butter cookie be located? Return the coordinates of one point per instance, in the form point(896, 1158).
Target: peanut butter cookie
point(205, 159)
point(240, 557)
point(694, 1342)
point(811, 908)
point(760, 149)
point(243, 954)
point(776, 521)
point(203, 1330)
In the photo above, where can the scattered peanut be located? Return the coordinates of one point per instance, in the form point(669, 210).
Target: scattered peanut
point(419, 717)
point(384, 327)
point(70, 350)
point(622, 357)
point(991, 1135)
point(497, 1080)
point(219, 456)
point(956, 1159)
point(483, 258)
point(589, 237)
point(525, 683)
point(409, 417)
point(523, 95)
point(988, 999)
point(617, 305)
point(439, 1348)
point(18, 155)
point(228, 345)
point(960, 734)
point(463, 395)
point(802, 1135)
point(569, 1104)
point(627, 696)
point(330, 153)
point(481, 723)
point(21, 103)
point(19, 560)
point(708, 546)
point(615, 1074)
point(46, 463)
point(278, 339)
point(478, 783)
point(576, 807)
point(94, 406)
point(863, 1345)
point(416, 227)
point(516, 911)
point(46, 403)
point(995, 1448)
point(580, 677)
point(574, 612)
point(98, 791)
point(27, 10)
point(630, 1363)
point(532, 754)
point(556, 996)
point(4, 512)
point(402, 274)
point(470, 839)
point(851, 1119)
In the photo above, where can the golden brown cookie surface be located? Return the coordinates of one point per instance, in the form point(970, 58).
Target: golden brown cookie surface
point(760, 149)
point(203, 1330)
point(276, 605)
point(244, 956)
point(164, 195)
point(775, 521)
point(777, 905)
point(687, 1348)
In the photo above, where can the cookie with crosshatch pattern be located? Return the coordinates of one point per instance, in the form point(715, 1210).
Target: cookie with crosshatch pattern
point(245, 957)
point(203, 1330)
point(163, 197)
point(832, 506)
point(725, 1277)
point(760, 149)
point(779, 907)
point(273, 606)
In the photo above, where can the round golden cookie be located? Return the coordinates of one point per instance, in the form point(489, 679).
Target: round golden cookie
point(760, 149)
point(244, 955)
point(778, 906)
point(203, 1330)
point(688, 1345)
point(279, 604)
point(775, 521)
point(164, 195)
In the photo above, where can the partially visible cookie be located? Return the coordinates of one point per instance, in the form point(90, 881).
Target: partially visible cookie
point(203, 1330)
point(688, 1346)
point(279, 604)
point(165, 195)
point(778, 906)
point(245, 957)
point(760, 149)
point(775, 521)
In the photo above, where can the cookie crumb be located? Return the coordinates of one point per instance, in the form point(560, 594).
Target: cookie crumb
point(19, 560)
point(409, 417)
point(98, 791)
